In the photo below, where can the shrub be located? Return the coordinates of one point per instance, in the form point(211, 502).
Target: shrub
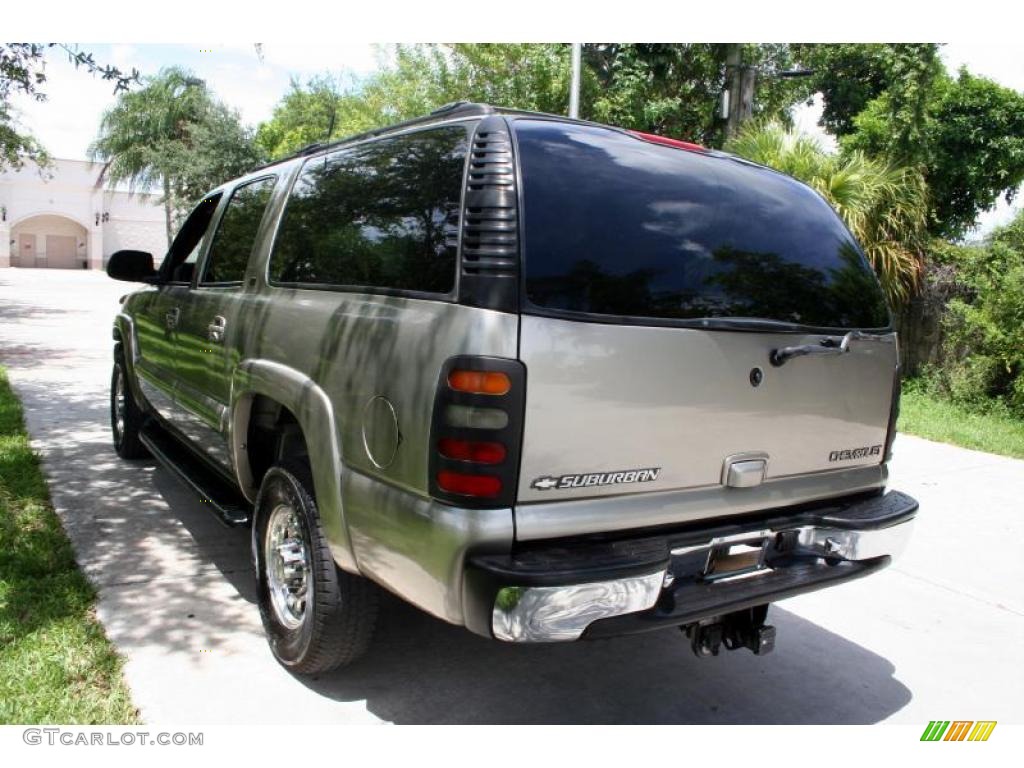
point(983, 353)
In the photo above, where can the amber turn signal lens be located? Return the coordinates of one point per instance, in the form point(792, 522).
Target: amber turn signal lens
point(480, 382)
point(485, 486)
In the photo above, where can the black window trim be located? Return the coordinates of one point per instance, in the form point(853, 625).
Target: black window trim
point(735, 324)
point(204, 241)
point(450, 297)
point(204, 258)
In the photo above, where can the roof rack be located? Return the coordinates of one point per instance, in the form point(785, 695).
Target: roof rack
point(452, 109)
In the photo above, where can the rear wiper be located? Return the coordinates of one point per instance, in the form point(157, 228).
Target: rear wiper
point(831, 345)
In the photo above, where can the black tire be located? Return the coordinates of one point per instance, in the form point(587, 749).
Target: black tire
point(126, 434)
point(339, 609)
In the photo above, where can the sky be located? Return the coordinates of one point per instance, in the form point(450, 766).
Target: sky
point(66, 122)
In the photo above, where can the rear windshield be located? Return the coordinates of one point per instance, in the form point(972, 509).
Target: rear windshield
point(615, 225)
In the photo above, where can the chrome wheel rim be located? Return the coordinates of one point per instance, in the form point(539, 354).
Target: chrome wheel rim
point(120, 404)
point(286, 555)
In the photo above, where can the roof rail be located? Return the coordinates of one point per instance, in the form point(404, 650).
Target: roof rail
point(309, 149)
point(460, 107)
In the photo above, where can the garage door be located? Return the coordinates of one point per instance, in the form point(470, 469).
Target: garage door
point(61, 252)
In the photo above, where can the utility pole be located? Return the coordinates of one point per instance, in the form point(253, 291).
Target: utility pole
point(740, 81)
point(574, 87)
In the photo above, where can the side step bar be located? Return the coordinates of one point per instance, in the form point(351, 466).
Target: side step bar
point(224, 501)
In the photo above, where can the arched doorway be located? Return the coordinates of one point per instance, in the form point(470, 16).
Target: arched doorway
point(49, 240)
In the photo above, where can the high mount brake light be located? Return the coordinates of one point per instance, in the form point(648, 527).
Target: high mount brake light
point(669, 142)
point(476, 431)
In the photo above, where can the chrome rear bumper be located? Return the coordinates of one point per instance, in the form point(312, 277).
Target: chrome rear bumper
point(694, 579)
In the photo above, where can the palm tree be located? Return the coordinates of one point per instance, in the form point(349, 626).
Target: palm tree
point(885, 206)
point(137, 131)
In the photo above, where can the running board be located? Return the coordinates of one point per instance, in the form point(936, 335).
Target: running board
point(223, 500)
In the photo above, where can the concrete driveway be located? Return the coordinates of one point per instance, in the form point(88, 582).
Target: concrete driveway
point(938, 635)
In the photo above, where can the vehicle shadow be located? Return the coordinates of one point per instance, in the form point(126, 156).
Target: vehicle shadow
point(422, 670)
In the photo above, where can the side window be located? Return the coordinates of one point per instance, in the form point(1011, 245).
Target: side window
point(236, 233)
point(382, 215)
point(181, 258)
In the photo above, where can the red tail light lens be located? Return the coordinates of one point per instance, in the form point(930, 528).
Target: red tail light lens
point(469, 450)
point(481, 486)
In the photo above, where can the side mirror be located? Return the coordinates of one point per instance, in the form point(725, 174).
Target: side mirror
point(132, 266)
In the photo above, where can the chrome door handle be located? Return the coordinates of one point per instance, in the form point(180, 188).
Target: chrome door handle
point(171, 318)
point(215, 330)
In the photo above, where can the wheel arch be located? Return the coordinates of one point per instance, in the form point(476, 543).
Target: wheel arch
point(256, 382)
point(123, 334)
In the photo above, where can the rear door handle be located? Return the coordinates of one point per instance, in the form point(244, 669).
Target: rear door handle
point(827, 346)
point(171, 318)
point(215, 330)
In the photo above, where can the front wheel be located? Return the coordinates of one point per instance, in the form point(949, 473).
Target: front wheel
point(316, 616)
point(125, 414)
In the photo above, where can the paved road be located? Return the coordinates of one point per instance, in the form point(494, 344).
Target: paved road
point(938, 635)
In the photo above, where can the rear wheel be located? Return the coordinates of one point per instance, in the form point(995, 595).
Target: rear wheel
point(125, 414)
point(316, 616)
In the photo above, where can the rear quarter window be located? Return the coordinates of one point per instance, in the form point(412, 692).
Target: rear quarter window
point(380, 216)
point(618, 226)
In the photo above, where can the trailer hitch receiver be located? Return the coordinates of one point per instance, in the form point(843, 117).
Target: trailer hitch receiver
point(742, 629)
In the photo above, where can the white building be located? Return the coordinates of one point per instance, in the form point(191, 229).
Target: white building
point(61, 218)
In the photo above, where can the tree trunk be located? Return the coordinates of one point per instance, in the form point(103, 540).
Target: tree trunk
point(167, 210)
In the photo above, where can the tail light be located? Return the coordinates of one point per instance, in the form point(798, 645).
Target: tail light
point(476, 431)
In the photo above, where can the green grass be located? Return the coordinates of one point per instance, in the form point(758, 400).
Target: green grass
point(926, 416)
point(56, 665)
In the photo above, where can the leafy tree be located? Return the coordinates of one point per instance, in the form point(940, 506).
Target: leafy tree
point(852, 75)
point(970, 146)
point(665, 88)
point(675, 89)
point(174, 133)
point(885, 206)
point(419, 78)
point(305, 115)
point(983, 356)
point(218, 147)
point(22, 71)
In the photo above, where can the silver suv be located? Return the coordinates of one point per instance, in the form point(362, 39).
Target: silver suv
point(539, 377)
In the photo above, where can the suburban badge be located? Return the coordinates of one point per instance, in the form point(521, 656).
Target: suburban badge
point(591, 479)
